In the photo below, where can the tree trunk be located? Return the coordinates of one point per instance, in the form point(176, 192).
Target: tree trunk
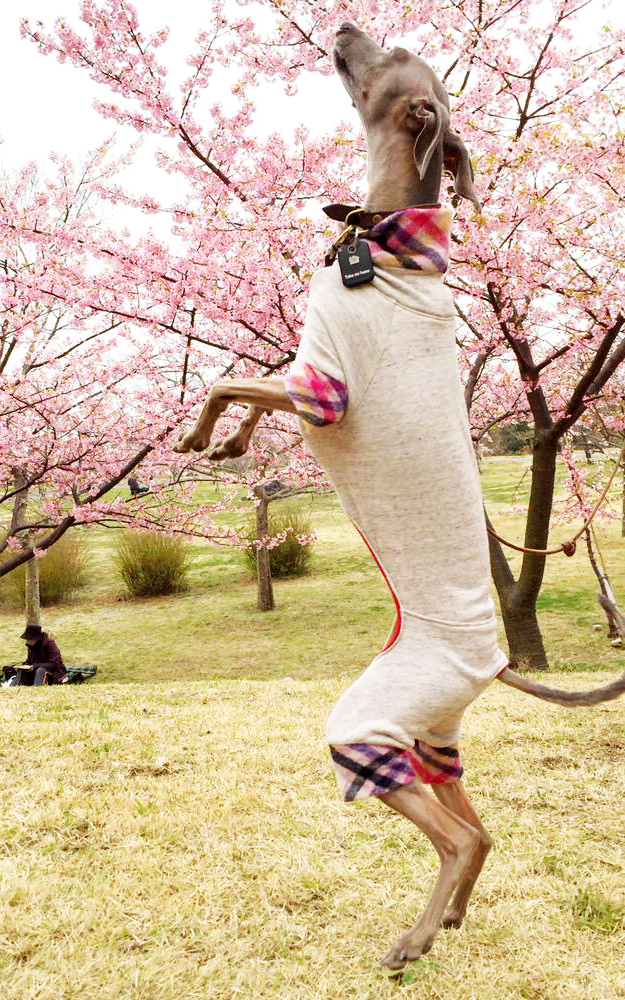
point(265, 586)
point(32, 595)
point(604, 584)
point(517, 598)
point(525, 641)
point(623, 509)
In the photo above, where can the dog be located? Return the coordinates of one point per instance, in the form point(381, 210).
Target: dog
point(377, 389)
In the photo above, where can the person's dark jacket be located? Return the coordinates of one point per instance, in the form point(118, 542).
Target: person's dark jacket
point(46, 653)
point(135, 486)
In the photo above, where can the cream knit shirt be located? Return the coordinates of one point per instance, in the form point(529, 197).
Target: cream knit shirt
point(402, 463)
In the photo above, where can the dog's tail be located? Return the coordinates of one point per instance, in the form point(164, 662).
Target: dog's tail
point(573, 699)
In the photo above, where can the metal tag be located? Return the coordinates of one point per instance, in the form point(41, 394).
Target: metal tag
point(355, 263)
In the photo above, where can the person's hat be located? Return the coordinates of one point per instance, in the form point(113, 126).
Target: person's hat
point(32, 632)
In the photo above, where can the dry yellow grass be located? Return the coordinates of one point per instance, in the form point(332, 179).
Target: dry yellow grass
point(171, 841)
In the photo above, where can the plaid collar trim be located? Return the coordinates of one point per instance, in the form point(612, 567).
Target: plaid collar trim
point(415, 238)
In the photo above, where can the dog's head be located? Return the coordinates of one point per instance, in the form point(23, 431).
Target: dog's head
point(398, 90)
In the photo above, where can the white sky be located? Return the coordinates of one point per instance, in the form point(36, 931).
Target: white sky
point(47, 106)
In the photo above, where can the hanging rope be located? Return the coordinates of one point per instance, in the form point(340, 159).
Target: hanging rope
point(567, 547)
point(602, 566)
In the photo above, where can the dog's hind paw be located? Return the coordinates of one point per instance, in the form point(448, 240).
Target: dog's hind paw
point(453, 918)
point(408, 948)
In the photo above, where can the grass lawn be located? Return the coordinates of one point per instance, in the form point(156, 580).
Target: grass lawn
point(162, 840)
point(333, 619)
point(178, 842)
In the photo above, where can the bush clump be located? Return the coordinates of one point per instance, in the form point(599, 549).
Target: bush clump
point(290, 557)
point(152, 565)
point(62, 570)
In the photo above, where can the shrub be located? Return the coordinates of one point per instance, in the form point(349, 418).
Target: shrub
point(151, 565)
point(290, 557)
point(512, 439)
point(62, 570)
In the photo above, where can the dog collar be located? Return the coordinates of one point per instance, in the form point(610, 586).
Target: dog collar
point(354, 215)
point(415, 238)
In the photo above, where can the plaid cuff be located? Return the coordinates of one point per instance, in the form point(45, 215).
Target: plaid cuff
point(319, 399)
point(363, 769)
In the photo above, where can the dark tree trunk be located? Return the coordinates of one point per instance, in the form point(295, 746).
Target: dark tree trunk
point(525, 642)
point(517, 598)
point(265, 586)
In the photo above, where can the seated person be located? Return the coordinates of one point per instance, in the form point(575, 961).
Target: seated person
point(135, 487)
point(44, 664)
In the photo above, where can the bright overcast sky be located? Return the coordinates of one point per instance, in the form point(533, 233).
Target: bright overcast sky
point(50, 105)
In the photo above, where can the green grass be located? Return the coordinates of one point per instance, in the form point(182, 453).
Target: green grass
point(594, 913)
point(187, 842)
point(326, 622)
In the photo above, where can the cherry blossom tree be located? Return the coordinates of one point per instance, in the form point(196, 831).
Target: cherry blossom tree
point(86, 391)
point(537, 93)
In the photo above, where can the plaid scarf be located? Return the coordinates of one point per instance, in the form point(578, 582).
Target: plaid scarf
point(414, 238)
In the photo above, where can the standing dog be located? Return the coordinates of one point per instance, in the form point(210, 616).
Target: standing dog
point(377, 387)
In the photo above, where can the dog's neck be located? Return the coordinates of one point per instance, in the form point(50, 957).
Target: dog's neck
point(393, 179)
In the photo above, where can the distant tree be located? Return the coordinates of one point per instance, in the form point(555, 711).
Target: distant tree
point(86, 393)
point(511, 439)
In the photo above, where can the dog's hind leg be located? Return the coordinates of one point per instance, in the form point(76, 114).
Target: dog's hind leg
point(455, 841)
point(453, 796)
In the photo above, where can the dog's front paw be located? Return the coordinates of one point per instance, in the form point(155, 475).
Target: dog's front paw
point(191, 441)
point(180, 447)
point(229, 447)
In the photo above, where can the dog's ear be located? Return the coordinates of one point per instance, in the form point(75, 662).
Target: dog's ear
point(428, 120)
point(456, 160)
